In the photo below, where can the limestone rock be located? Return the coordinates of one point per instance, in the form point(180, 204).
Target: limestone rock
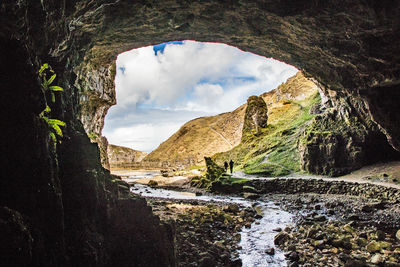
point(256, 115)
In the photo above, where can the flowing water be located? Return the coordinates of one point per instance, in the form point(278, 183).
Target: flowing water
point(254, 240)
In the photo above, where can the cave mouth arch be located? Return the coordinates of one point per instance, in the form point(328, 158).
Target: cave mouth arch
point(339, 50)
point(161, 87)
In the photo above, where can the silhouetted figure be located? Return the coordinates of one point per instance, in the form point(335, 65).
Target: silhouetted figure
point(231, 165)
point(226, 166)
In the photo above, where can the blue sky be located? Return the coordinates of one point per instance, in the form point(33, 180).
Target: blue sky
point(161, 87)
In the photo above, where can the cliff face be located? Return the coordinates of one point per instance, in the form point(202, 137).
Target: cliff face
point(124, 157)
point(52, 204)
point(199, 138)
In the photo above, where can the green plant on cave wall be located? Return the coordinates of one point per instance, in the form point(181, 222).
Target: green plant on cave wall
point(47, 85)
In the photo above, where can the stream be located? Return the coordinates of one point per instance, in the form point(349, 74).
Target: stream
point(254, 240)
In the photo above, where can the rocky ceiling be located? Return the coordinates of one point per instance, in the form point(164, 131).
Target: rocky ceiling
point(350, 47)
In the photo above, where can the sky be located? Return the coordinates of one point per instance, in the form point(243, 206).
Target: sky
point(161, 87)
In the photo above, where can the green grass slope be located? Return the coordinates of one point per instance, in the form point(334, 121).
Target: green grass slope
point(274, 152)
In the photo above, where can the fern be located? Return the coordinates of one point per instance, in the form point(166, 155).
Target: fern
point(54, 124)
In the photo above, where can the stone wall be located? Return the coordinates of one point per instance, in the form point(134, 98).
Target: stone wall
point(319, 186)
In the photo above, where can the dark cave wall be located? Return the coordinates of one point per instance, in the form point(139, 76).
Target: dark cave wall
point(53, 202)
point(60, 207)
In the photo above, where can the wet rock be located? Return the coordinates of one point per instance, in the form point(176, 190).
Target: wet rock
point(281, 238)
point(270, 251)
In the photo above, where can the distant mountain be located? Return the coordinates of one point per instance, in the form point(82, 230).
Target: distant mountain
point(123, 157)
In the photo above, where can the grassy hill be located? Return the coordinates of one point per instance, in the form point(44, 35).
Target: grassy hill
point(274, 151)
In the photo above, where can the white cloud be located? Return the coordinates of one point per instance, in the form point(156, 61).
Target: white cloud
point(143, 137)
point(185, 80)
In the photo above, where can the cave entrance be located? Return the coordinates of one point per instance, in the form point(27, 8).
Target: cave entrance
point(159, 88)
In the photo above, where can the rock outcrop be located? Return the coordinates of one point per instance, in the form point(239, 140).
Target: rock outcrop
point(256, 115)
point(124, 157)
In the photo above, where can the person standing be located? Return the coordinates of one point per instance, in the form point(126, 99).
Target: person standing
point(226, 166)
point(231, 165)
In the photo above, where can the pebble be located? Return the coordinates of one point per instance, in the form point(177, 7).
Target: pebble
point(376, 259)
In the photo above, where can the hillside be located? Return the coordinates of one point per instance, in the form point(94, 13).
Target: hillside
point(274, 152)
point(198, 138)
point(206, 136)
point(123, 157)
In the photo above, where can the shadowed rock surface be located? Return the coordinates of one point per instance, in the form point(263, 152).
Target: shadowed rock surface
point(63, 199)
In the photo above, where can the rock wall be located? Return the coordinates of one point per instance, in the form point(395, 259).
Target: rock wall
point(58, 206)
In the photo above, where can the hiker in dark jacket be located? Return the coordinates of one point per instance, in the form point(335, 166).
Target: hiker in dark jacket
point(226, 166)
point(231, 165)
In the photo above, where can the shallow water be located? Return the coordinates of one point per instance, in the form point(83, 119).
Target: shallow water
point(254, 240)
point(259, 237)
